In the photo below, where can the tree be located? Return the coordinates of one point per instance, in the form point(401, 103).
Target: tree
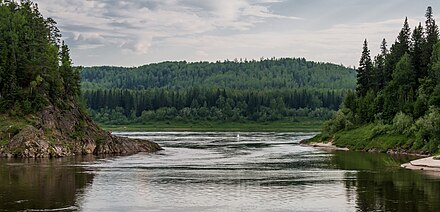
point(34, 69)
point(397, 50)
point(379, 67)
point(432, 37)
point(416, 52)
point(434, 71)
point(364, 71)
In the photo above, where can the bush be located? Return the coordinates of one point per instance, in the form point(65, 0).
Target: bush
point(339, 122)
point(427, 129)
point(380, 129)
point(402, 123)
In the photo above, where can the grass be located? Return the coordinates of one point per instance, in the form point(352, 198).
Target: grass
point(9, 126)
point(300, 125)
point(3, 142)
point(363, 138)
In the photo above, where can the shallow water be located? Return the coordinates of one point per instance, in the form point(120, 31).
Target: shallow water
point(220, 172)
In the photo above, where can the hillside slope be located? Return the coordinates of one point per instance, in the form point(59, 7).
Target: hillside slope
point(40, 111)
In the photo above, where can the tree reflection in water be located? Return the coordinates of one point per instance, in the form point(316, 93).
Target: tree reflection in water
point(381, 185)
point(42, 183)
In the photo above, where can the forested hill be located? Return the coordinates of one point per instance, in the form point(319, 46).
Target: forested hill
point(397, 100)
point(263, 74)
point(265, 90)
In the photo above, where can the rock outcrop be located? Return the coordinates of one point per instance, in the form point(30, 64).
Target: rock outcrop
point(57, 133)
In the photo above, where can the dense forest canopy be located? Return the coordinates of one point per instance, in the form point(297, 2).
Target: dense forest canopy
point(398, 90)
point(265, 90)
point(263, 74)
point(35, 66)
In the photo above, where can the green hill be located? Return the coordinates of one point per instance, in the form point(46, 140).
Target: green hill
point(265, 90)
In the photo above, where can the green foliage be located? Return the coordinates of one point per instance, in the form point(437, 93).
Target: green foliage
point(402, 123)
point(380, 129)
point(403, 90)
point(365, 71)
point(265, 90)
point(427, 129)
point(264, 74)
point(30, 56)
point(339, 122)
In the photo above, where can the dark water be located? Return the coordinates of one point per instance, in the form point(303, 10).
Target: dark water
point(218, 172)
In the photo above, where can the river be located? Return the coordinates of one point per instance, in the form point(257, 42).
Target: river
point(219, 172)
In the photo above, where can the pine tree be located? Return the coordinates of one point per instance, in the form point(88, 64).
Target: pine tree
point(434, 70)
point(416, 52)
point(364, 71)
point(379, 66)
point(397, 50)
point(432, 37)
point(404, 38)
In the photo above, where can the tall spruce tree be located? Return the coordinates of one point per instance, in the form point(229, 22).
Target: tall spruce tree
point(379, 66)
point(432, 37)
point(397, 50)
point(416, 52)
point(364, 71)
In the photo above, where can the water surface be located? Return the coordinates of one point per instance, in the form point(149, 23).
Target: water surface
point(220, 172)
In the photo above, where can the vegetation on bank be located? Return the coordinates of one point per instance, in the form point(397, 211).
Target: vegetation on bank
point(231, 91)
point(41, 114)
point(397, 100)
point(35, 67)
point(297, 125)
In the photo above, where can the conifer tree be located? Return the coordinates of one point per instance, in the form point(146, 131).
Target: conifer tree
point(416, 51)
point(379, 66)
point(364, 71)
point(432, 37)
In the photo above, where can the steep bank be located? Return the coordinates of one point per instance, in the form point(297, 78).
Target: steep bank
point(53, 132)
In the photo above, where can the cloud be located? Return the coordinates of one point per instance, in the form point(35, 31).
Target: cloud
point(134, 32)
point(134, 25)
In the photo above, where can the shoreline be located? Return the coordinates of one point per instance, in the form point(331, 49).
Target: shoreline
point(423, 164)
point(324, 146)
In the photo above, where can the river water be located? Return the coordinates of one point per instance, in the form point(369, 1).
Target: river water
point(219, 172)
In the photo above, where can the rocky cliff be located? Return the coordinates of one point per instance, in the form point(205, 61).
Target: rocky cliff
point(53, 132)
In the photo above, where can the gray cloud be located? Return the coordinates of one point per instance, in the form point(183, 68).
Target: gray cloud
point(135, 32)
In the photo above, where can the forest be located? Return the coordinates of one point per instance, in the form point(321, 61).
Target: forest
point(35, 65)
point(239, 90)
point(397, 99)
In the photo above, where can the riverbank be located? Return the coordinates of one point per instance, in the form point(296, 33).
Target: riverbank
point(365, 139)
point(425, 164)
point(300, 125)
point(369, 139)
point(54, 132)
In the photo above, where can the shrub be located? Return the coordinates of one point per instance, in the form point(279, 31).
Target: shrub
point(402, 123)
point(427, 129)
point(380, 129)
point(339, 122)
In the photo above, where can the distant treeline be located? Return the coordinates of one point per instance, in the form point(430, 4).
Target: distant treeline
point(212, 104)
point(265, 90)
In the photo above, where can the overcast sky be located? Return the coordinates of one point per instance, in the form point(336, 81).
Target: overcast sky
point(137, 32)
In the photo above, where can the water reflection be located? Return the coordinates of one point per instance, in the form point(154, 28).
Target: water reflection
point(380, 184)
point(215, 172)
point(35, 184)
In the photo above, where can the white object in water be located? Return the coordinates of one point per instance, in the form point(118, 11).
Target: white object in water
point(238, 137)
